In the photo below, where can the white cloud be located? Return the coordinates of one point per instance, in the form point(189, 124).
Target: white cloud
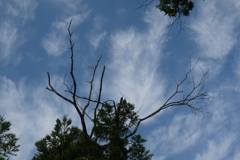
point(15, 14)
point(182, 132)
point(24, 8)
point(215, 135)
point(214, 29)
point(8, 36)
point(56, 42)
point(95, 39)
point(236, 155)
point(9, 41)
point(97, 34)
point(32, 110)
point(11, 10)
point(73, 5)
point(134, 61)
point(77, 19)
point(218, 150)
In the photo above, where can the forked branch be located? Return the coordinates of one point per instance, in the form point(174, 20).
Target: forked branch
point(188, 100)
point(73, 89)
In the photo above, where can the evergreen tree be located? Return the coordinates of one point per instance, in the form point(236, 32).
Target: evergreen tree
point(113, 123)
point(8, 141)
point(65, 143)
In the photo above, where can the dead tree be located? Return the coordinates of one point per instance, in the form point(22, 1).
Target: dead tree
point(189, 98)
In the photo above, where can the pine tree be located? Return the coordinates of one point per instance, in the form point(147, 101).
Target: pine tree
point(64, 143)
point(8, 141)
point(109, 142)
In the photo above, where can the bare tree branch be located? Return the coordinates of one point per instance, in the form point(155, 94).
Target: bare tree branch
point(73, 89)
point(189, 100)
point(144, 4)
point(50, 88)
point(91, 85)
point(84, 128)
point(177, 21)
point(99, 99)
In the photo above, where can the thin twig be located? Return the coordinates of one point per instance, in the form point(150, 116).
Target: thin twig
point(188, 100)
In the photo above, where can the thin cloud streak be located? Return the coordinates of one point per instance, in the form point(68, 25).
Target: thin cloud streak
point(32, 110)
point(134, 62)
point(214, 30)
point(95, 39)
point(185, 127)
point(24, 9)
point(203, 133)
point(218, 150)
point(8, 39)
point(15, 13)
point(55, 42)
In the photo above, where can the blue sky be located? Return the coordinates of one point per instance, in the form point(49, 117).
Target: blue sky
point(143, 63)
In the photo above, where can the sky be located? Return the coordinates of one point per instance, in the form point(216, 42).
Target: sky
point(144, 61)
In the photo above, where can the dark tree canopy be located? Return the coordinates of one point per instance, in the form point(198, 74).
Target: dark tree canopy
point(65, 143)
point(8, 141)
point(173, 8)
point(109, 142)
point(113, 124)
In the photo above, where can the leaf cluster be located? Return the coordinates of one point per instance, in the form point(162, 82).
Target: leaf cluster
point(174, 8)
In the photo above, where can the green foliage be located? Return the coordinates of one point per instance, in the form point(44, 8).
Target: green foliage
point(174, 8)
point(112, 125)
point(8, 140)
point(64, 143)
point(137, 150)
point(115, 120)
point(109, 142)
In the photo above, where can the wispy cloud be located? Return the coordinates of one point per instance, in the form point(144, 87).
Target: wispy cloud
point(95, 39)
point(23, 9)
point(214, 30)
point(55, 42)
point(97, 33)
point(14, 14)
point(73, 6)
point(32, 110)
point(9, 41)
point(208, 134)
point(134, 62)
point(218, 150)
point(182, 132)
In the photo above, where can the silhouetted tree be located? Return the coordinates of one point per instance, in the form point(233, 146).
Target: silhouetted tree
point(69, 143)
point(114, 124)
point(8, 141)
